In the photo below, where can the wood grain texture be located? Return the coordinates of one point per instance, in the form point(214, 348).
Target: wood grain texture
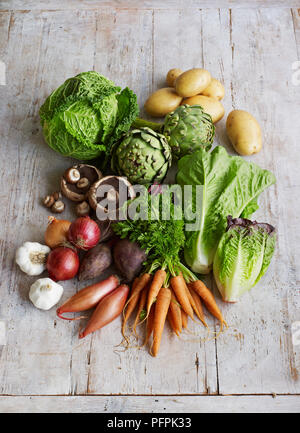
point(145, 4)
point(251, 51)
point(157, 404)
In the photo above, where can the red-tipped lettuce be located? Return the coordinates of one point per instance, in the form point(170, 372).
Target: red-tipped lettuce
point(243, 256)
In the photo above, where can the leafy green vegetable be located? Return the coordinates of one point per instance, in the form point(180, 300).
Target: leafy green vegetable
point(86, 114)
point(162, 239)
point(243, 256)
point(230, 186)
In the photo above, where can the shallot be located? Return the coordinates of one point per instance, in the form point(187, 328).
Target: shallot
point(107, 310)
point(88, 297)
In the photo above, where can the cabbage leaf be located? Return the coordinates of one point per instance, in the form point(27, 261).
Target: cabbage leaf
point(86, 114)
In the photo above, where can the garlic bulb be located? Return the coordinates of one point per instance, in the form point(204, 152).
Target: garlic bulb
point(31, 257)
point(45, 293)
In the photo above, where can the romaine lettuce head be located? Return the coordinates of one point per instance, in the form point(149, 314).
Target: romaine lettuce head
point(84, 115)
point(243, 256)
point(230, 186)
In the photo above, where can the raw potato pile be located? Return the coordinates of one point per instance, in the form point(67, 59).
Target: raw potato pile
point(192, 87)
point(197, 87)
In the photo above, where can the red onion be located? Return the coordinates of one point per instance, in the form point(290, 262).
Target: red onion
point(84, 233)
point(62, 264)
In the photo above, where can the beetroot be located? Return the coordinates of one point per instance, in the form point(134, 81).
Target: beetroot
point(128, 258)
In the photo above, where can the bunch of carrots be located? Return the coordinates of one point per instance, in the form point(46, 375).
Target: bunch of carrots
point(161, 297)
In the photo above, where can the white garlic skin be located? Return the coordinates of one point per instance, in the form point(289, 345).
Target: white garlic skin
point(27, 257)
point(45, 293)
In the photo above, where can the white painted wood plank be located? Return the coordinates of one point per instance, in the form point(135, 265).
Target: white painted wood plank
point(42, 51)
point(156, 404)
point(129, 37)
point(257, 354)
point(146, 4)
point(43, 355)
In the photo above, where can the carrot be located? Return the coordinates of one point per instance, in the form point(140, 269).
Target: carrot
point(179, 286)
point(184, 319)
point(209, 300)
point(156, 285)
point(137, 287)
point(160, 315)
point(141, 307)
point(171, 322)
point(149, 324)
point(175, 314)
point(197, 305)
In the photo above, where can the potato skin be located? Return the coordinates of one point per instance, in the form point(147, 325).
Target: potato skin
point(162, 102)
point(214, 90)
point(192, 82)
point(210, 105)
point(172, 75)
point(244, 132)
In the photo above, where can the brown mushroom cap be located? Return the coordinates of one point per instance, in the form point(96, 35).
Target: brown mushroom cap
point(112, 194)
point(71, 191)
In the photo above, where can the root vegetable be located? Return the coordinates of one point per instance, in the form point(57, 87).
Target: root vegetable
point(209, 300)
point(84, 233)
point(192, 82)
point(128, 258)
point(62, 264)
point(179, 286)
point(156, 285)
point(210, 105)
point(88, 297)
point(244, 132)
point(172, 75)
point(108, 309)
point(196, 304)
point(161, 311)
point(175, 314)
point(162, 102)
point(57, 232)
point(95, 262)
point(138, 285)
point(214, 90)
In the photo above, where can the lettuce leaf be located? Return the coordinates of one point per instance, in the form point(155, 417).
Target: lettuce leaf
point(243, 256)
point(230, 186)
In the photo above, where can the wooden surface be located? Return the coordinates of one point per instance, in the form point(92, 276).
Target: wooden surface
point(251, 51)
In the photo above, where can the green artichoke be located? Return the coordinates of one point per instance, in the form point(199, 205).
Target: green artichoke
point(187, 129)
point(143, 156)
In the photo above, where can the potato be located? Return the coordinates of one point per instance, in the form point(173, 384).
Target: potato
point(244, 132)
point(210, 105)
point(172, 75)
point(214, 90)
point(192, 82)
point(162, 102)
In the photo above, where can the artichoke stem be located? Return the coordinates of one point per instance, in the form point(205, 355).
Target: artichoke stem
point(139, 123)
